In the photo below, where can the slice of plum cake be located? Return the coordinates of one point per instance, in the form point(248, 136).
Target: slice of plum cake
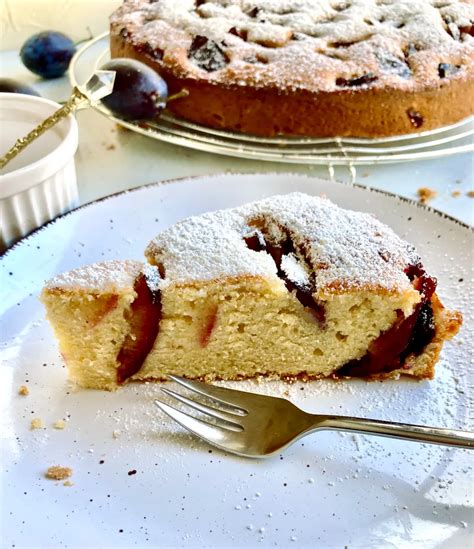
point(291, 286)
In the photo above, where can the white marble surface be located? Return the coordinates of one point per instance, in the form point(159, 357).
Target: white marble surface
point(110, 160)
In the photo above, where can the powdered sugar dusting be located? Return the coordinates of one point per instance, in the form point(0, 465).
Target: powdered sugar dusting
point(346, 248)
point(295, 270)
point(152, 276)
point(208, 247)
point(308, 44)
point(104, 276)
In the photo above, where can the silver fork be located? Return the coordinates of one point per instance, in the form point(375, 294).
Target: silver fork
point(253, 425)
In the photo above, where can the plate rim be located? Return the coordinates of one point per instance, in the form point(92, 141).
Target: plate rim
point(411, 201)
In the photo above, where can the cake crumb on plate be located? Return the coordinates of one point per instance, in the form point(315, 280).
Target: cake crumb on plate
point(56, 472)
point(36, 423)
point(60, 424)
point(23, 390)
point(425, 194)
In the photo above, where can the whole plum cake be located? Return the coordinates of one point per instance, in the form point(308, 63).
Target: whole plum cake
point(364, 68)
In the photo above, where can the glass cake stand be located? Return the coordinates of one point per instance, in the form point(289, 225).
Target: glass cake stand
point(348, 151)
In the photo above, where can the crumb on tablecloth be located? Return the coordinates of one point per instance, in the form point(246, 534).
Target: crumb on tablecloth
point(60, 424)
point(455, 194)
point(425, 194)
point(116, 433)
point(36, 423)
point(68, 483)
point(470, 194)
point(56, 472)
point(23, 390)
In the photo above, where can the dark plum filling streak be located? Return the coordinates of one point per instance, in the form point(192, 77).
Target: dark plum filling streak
point(407, 336)
point(144, 327)
point(256, 242)
point(388, 352)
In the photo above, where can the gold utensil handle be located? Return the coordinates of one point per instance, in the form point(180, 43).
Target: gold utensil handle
point(71, 105)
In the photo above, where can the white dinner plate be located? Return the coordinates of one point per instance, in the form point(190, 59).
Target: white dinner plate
point(328, 490)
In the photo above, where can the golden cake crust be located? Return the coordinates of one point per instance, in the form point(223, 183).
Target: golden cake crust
point(307, 68)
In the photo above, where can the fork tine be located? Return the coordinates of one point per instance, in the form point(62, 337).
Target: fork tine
point(216, 436)
point(219, 394)
point(208, 410)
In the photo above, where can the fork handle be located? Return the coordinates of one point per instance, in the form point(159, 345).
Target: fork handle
point(431, 435)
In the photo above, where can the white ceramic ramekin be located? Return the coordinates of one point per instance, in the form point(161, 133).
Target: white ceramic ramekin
point(40, 183)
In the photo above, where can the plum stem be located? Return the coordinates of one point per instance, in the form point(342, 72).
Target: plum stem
point(183, 93)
